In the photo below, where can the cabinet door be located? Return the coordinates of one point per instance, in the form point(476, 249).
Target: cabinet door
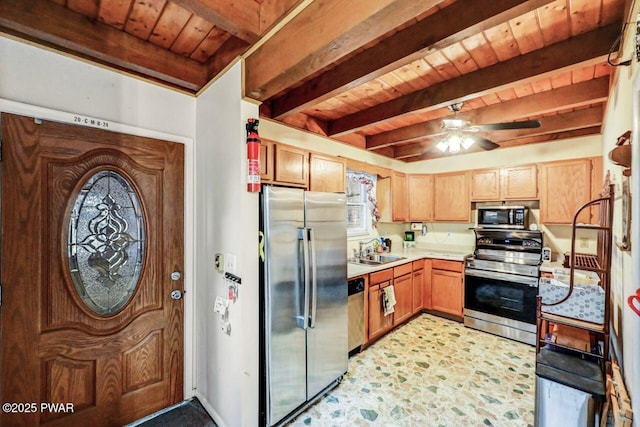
point(418, 284)
point(327, 173)
point(292, 165)
point(446, 292)
point(451, 197)
point(267, 159)
point(519, 183)
point(399, 206)
point(378, 322)
point(426, 285)
point(564, 187)
point(403, 290)
point(420, 191)
point(485, 184)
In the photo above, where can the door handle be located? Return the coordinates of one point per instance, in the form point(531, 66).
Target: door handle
point(176, 294)
point(303, 320)
point(314, 280)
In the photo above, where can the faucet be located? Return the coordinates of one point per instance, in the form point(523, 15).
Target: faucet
point(361, 253)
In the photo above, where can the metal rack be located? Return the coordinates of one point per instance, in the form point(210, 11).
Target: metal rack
point(600, 264)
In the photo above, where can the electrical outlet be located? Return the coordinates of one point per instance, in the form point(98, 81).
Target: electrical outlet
point(218, 262)
point(584, 242)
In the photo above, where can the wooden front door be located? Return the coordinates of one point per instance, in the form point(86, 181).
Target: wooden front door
point(92, 230)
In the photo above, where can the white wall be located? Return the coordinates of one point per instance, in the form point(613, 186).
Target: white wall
point(227, 223)
point(620, 116)
point(39, 83)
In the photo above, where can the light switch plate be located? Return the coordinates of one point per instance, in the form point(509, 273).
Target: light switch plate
point(230, 263)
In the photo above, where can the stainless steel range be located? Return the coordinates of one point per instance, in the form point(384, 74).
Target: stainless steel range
point(501, 283)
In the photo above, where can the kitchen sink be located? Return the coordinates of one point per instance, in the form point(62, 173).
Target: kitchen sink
point(375, 259)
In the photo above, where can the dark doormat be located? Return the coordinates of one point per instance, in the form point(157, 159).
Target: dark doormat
point(188, 413)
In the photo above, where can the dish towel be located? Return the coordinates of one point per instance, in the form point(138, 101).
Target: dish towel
point(388, 300)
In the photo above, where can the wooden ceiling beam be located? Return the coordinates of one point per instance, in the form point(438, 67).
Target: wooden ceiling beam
point(241, 18)
point(573, 120)
point(323, 33)
point(229, 50)
point(582, 50)
point(52, 25)
point(576, 95)
point(522, 141)
point(579, 119)
point(450, 25)
point(575, 133)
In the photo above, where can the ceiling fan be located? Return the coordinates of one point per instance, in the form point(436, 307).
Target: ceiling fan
point(460, 133)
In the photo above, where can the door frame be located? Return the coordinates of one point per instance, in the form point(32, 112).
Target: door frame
point(78, 119)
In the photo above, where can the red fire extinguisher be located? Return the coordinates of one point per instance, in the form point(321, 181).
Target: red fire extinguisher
point(253, 156)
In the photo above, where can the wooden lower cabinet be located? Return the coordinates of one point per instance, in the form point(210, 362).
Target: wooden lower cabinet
point(426, 285)
point(378, 324)
point(417, 285)
point(447, 287)
point(403, 289)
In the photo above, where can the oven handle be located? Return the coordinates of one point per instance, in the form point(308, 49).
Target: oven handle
point(531, 281)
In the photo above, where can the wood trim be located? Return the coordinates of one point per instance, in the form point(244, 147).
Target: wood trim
point(39, 21)
point(238, 17)
point(567, 97)
point(359, 166)
point(438, 31)
point(586, 49)
point(352, 25)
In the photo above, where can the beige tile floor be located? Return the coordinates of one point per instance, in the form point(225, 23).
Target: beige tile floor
point(432, 372)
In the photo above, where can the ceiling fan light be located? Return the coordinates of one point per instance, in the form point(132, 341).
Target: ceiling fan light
point(454, 143)
point(467, 142)
point(442, 145)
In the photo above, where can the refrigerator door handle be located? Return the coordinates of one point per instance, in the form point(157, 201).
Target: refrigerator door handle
point(314, 280)
point(303, 320)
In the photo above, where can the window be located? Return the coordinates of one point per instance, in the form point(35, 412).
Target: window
point(362, 209)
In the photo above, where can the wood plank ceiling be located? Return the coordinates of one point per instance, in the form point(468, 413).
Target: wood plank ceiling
point(377, 74)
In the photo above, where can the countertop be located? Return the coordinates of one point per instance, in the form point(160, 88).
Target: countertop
point(453, 253)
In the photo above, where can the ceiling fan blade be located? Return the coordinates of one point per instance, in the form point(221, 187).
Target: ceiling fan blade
point(485, 144)
point(524, 124)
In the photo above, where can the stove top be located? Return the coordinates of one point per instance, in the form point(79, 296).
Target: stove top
point(507, 251)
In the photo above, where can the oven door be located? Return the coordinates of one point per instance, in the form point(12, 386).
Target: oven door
point(503, 295)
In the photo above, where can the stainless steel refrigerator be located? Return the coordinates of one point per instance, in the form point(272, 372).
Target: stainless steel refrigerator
point(304, 298)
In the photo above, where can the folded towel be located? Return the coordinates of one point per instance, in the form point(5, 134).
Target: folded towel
point(388, 300)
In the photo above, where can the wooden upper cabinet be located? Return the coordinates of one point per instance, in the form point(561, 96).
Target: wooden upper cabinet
point(292, 165)
point(267, 160)
point(399, 205)
point(327, 173)
point(485, 184)
point(451, 200)
point(420, 194)
point(564, 187)
point(519, 183)
point(516, 183)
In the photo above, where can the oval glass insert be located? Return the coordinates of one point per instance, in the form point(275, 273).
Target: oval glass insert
point(106, 244)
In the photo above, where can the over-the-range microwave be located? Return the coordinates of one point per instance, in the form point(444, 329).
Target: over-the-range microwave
point(516, 217)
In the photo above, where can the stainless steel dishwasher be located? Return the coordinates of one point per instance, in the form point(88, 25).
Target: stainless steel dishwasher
point(356, 315)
